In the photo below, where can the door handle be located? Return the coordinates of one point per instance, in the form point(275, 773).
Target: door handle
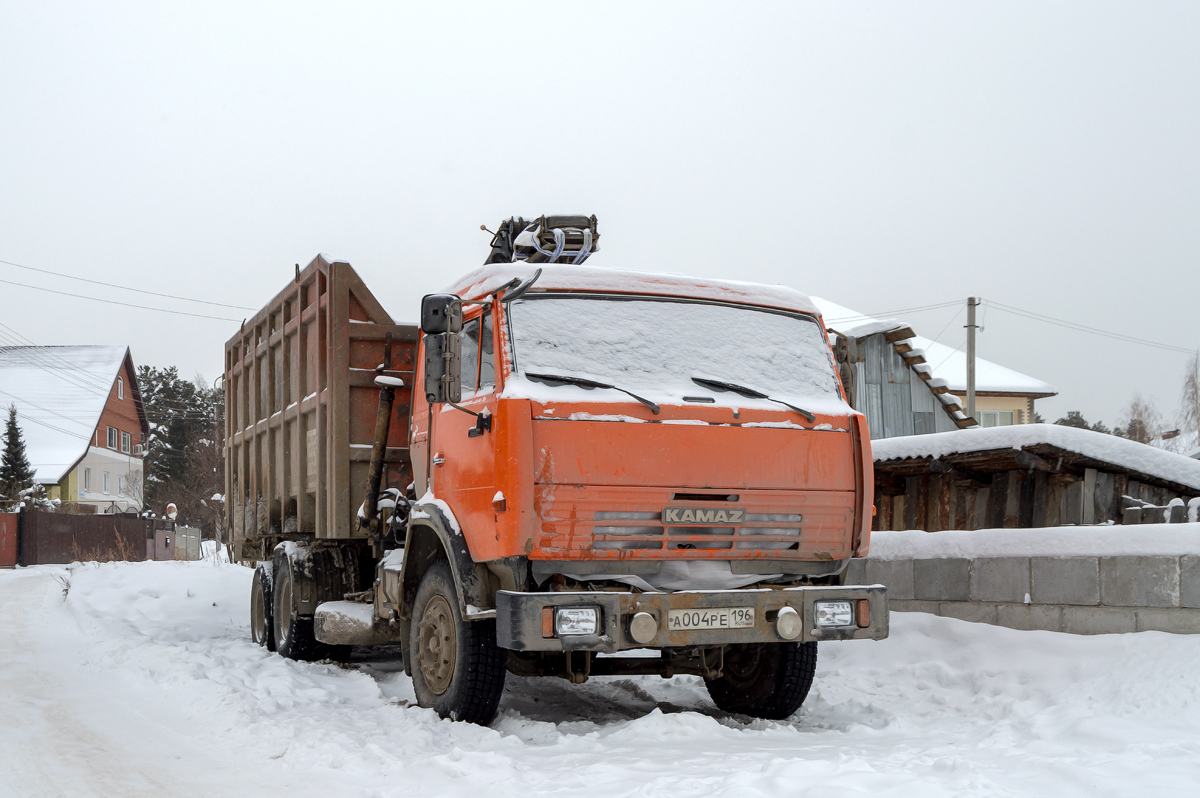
point(483, 423)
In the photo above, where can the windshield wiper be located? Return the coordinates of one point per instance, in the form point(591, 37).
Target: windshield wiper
point(720, 385)
point(583, 382)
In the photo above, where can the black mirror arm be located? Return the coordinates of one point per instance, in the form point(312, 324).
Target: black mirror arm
point(521, 288)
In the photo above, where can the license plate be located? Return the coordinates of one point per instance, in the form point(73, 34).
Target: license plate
point(718, 618)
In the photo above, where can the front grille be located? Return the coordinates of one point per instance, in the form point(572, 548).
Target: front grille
point(600, 522)
point(628, 531)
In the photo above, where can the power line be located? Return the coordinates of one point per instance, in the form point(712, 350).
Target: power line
point(1070, 325)
point(952, 318)
point(115, 302)
point(885, 313)
point(123, 287)
point(44, 359)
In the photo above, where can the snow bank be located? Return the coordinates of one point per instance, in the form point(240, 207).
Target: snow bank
point(1171, 540)
point(142, 681)
point(1096, 445)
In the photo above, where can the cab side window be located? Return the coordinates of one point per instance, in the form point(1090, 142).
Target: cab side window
point(470, 356)
point(487, 360)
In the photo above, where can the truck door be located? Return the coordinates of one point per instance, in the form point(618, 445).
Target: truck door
point(466, 476)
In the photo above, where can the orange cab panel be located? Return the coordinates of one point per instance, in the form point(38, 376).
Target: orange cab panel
point(691, 455)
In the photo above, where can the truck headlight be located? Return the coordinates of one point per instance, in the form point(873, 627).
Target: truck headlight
point(576, 620)
point(834, 613)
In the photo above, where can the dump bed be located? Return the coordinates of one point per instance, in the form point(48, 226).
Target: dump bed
point(300, 410)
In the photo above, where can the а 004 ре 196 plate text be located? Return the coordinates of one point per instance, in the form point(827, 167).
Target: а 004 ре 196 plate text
point(719, 618)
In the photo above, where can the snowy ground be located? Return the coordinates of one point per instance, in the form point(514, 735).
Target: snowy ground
point(142, 680)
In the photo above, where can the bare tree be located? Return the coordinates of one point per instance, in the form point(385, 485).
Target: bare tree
point(1141, 422)
point(1189, 407)
point(134, 489)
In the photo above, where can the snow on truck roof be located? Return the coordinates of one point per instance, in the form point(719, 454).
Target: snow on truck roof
point(1098, 446)
point(566, 277)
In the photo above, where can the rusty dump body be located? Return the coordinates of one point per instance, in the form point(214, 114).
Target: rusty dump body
point(300, 407)
point(539, 493)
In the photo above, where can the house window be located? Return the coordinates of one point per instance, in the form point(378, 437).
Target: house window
point(120, 388)
point(120, 486)
point(994, 418)
point(125, 439)
point(106, 482)
point(87, 479)
point(112, 437)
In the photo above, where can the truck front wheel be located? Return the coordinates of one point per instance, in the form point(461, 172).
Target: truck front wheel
point(765, 680)
point(457, 668)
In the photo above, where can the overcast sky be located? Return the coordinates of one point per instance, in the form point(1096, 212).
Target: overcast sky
point(885, 156)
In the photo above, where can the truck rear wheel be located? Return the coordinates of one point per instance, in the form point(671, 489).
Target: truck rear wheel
point(457, 668)
point(262, 624)
point(765, 680)
point(294, 637)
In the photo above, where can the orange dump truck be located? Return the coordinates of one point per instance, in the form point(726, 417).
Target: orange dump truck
point(562, 463)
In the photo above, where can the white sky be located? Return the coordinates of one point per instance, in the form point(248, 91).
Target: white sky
point(1042, 155)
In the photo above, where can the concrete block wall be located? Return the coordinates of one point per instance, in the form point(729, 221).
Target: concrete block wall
point(1080, 595)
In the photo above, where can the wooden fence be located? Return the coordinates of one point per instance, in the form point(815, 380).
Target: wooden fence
point(48, 538)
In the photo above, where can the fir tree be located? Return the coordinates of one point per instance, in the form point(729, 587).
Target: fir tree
point(16, 474)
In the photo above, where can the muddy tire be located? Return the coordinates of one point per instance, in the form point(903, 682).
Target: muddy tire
point(293, 632)
point(262, 622)
point(457, 668)
point(765, 680)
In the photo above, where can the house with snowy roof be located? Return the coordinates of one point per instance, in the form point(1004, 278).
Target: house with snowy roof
point(81, 415)
point(907, 384)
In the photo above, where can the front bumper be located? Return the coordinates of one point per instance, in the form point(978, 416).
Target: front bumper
point(519, 617)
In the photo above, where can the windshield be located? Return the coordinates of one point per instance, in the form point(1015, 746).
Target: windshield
point(657, 347)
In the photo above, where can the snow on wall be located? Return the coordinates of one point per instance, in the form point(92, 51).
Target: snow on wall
point(1097, 445)
point(1170, 540)
point(948, 363)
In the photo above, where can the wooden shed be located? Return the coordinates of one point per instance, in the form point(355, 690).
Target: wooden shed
point(888, 380)
point(1035, 475)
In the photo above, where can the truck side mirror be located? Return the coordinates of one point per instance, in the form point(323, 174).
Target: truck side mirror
point(443, 364)
point(441, 313)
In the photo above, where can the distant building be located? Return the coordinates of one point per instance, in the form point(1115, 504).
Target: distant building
point(907, 384)
point(80, 412)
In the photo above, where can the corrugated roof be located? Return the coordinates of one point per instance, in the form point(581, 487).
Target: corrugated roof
point(947, 363)
point(59, 392)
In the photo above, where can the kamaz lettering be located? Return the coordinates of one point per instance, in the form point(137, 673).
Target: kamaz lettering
point(694, 515)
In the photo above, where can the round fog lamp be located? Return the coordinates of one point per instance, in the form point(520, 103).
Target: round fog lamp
point(788, 624)
point(643, 627)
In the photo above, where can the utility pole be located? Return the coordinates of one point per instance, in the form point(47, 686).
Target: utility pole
point(971, 303)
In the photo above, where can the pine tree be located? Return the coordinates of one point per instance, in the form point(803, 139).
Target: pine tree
point(1074, 418)
point(183, 461)
point(16, 474)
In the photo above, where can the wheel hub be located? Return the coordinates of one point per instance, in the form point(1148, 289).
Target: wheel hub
point(437, 647)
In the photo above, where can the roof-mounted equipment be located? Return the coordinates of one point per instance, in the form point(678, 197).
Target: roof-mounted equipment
point(547, 239)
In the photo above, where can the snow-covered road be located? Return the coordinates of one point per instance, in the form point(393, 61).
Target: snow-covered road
point(141, 680)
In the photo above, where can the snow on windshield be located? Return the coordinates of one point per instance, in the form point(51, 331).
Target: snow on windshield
point(656, 347)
